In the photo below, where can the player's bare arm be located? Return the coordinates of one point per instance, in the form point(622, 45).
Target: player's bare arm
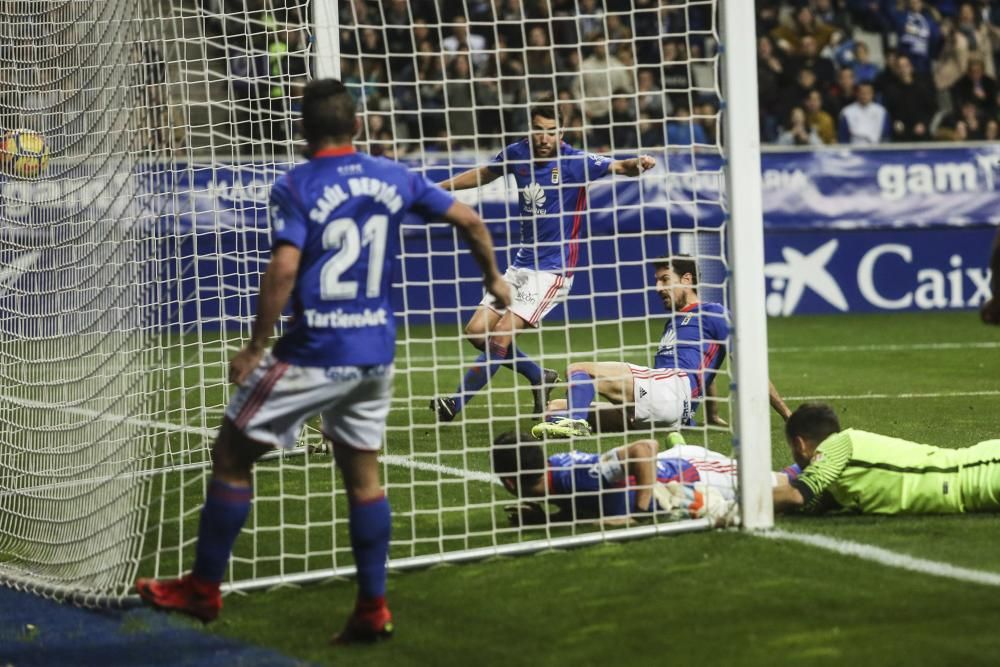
point(633, 166)
point(472, 178)
point(275, 289)
point(990, 310)
point(477, 236)
point(786, 497)
point(640, 461)
point(777, 403)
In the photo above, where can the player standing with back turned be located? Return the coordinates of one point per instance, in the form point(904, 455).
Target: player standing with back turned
point(335, 236)
point(552, 179)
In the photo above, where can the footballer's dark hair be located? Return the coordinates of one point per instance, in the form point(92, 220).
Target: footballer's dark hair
point(813, 421)
point(679, 264)
point(545, 110)
point(328, 111)
point(520, 456)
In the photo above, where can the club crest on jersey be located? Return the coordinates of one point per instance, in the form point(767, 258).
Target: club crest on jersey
point(555, 176)
point(534, 199)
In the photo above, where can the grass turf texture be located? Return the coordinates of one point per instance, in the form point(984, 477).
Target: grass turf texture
point(715, 596)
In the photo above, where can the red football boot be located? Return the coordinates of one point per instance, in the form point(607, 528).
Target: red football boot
point(186, 595)
point(370, 622)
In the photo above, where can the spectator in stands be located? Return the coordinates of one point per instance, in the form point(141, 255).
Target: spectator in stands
point(650, 132)
point(676, 72)
point(807, 57)
point(649, 97)
point(978, 36)
point(459, 98)
point(460, 39)
point(842, 92)
point(572, 119)
point(966, 123)
point(976, 87)
point(918, 34)
point(589, 20)
point(601, 73)
point(538, 63)
point(834, 15)
point(804, 83)
point(682, 130)
point(864, 69)
point(624, 130)
point(911, 103)
point(789, 34)
point(864, 122)
point(819, 120)
point(953, 59)
point(798, 132)
point(707, 115)
point(770, 73)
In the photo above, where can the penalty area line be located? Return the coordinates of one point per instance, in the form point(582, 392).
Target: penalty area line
point(885, 557)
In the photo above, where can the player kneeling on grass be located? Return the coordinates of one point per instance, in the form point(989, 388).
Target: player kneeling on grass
point(691, 351)
point(685, 481)
point(877, 474)
point(335, 358)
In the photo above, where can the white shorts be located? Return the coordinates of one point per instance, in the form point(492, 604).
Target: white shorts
point(278, 398)
point(534, 293)
point(662, 396)
point(715, 469)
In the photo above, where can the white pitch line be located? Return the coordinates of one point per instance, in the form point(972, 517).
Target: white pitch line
point(863, 551)
point(886, 557)
point(932, 394)
point(616, 355)
point(888, 347)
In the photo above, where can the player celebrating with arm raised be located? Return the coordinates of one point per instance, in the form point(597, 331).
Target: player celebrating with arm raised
point(335, 231)
point(691, 351)
point(552, 178)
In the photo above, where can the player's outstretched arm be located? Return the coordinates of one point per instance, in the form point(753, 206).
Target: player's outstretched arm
point(472, 178)
point(275, 289)
point(640, 462)
point(990, 310)
point(633, 166)
point(786, 498)
point(477, 236)
point(777, 402)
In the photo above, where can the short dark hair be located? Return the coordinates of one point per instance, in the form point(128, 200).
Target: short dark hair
point(545, 110)
point(813, 421)
point(328, 111)
point(679, 264)
point(514, 454)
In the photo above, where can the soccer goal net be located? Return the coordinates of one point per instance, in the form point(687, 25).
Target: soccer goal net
point(135, 228)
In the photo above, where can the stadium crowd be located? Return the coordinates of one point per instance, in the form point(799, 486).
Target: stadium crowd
point(628, 74)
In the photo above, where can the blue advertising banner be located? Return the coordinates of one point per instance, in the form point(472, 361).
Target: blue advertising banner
point(845, 231)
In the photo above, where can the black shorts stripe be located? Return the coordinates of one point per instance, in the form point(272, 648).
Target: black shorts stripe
point(914, 470)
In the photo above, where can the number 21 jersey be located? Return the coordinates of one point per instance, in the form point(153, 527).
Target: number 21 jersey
point(343, 209)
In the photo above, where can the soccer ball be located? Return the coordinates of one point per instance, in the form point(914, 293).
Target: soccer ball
point(24, 153)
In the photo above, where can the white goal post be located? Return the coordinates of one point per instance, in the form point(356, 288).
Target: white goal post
point(129, 266)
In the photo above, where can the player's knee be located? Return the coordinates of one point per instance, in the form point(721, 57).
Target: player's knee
point(233, 455)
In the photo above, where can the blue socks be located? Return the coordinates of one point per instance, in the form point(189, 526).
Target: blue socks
point(371, 528)
point(486, 366)
point(223, 515)
point(581, 394)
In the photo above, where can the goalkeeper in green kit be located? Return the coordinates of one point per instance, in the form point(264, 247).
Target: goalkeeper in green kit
point(876, 474)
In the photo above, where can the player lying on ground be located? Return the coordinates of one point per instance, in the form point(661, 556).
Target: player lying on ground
point(551, 178)
point(990, 310)
point(691, 350)
point(335, 233)
point(870, 473)
point(632, 480)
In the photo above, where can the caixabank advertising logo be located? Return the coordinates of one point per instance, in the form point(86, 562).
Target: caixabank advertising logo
point(877, 271)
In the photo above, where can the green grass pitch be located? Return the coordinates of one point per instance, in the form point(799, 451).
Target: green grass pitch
point(688, 599)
